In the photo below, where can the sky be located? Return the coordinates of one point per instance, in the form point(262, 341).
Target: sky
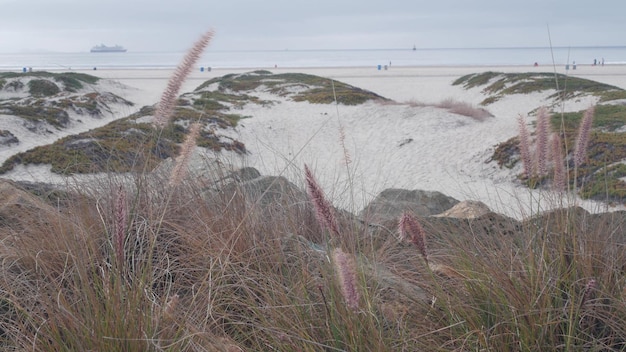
point(173, 25)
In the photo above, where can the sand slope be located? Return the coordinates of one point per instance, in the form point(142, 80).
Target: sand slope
point(357, 151)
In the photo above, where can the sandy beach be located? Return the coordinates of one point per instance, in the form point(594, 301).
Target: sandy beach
point(409, 144)
point(397, 83)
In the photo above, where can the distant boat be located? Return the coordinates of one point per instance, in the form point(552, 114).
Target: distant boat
point(108, 49)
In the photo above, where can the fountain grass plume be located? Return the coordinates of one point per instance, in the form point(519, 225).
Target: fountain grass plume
point(580, 149)
point(589, 291)
point(346, 271)
point(168, 99)
point(542, 144)
point(558, 183)
point(323, 210)
point(411, 230)
point(524, 146)
point(171, 305)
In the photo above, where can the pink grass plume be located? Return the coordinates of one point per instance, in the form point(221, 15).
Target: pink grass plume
point(558, 182)
point(542, 145)
point(589, 291)
point(346, 272)
point(168, 98)
point(524, 146)
point(411, 230)
point(584, 131)
point(323, 210)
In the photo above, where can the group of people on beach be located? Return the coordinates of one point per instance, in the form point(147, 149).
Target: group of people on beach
point(596, 62)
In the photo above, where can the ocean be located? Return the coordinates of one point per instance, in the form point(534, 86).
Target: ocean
point(613, 55)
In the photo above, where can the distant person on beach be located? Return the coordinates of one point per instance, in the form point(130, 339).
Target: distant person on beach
point(602, 61)
point(536, 64)
point(595, 62)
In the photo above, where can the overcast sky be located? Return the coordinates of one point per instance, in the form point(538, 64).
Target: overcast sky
point(173, 25)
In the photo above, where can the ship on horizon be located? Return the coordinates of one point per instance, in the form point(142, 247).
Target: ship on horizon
point(108, 49)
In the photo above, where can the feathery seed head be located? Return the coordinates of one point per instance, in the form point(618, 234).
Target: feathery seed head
point(323, 210)
point(542, 147)
point(583, 136)
point(168, 99)
point(346, 272)
point(589, 291)
point(170, 306)
point(411, 230)
point(558, 183)
point(524, 146)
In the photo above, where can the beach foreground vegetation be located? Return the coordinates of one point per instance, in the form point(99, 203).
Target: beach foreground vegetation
point(173, 263)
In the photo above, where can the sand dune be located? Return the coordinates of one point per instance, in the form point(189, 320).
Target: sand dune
point(407, 144)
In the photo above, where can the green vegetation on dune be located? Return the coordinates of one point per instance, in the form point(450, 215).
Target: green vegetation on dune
point(38, 111)
point(49, 97)
point(497, 85)
point(300, 86)
point(72, 81)
point(600, 176)
point(55, 111)
point(42, 87)
point(607, 118)
point(120, 146)
point(125, 144)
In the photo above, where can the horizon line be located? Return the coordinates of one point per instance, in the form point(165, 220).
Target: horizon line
point(25, 51)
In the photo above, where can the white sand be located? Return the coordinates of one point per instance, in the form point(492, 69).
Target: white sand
point(446, 152)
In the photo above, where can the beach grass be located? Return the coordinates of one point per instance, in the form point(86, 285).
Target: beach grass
point(227, 273)
point(498, 85)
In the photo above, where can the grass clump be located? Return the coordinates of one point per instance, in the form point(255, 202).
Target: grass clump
point(497, 85)
point(465, 109)
point(7, 138)
point(55, 112)
point(121, 146)
point(14, 85)
point(71, 81)
point(596, 172)
point(179, 268)
point(607, 118)
point(299, 86)
point(476, 80)
point(42, 87)
point(39, 111)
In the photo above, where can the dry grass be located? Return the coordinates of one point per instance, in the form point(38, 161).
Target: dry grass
point(465, 109)
point(458, 107)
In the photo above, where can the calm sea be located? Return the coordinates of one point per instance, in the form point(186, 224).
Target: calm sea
point(320, 58)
